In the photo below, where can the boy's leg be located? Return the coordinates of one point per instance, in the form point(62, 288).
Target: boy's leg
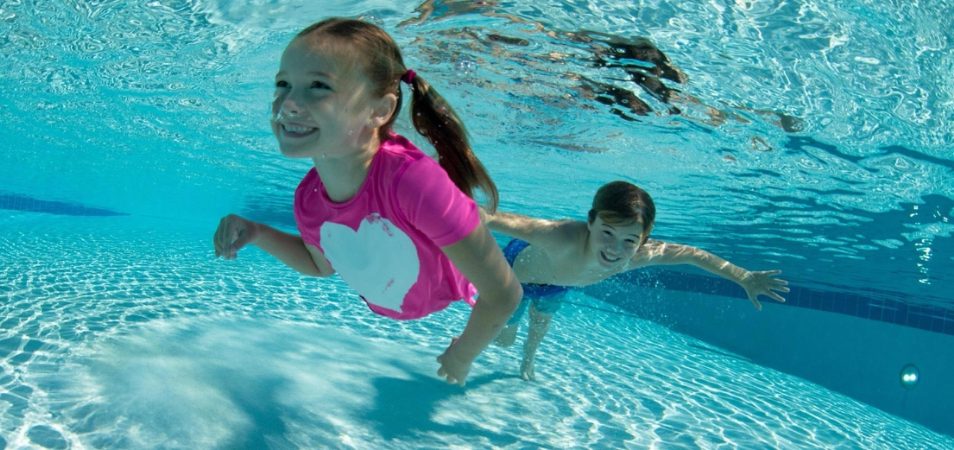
point(508, 334)
point(539, 324)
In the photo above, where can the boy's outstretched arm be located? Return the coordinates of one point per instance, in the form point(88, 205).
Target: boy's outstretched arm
point(522, 227)
point(755, 283)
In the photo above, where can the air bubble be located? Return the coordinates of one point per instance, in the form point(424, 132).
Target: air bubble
point(466, 66)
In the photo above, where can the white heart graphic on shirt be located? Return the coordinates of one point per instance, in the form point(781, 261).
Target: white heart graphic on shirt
point(379, 260)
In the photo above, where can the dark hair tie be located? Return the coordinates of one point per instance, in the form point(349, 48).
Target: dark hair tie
point(408, 76)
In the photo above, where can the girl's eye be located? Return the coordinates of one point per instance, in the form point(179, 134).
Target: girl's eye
point(607, 233)
point(281, 84)
point(630, 242)
point(319, 85)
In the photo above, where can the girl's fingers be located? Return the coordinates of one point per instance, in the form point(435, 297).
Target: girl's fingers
point(236, 238)
point(225, 238)
point(215, 237)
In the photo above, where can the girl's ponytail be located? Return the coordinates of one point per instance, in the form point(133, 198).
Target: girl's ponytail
point(435, 120)
point(381, 58)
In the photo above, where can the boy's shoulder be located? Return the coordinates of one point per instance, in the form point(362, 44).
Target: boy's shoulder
point(572, 228)
point(565, 236)
point(649, 253)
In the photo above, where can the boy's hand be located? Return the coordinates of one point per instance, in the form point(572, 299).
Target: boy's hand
point(764, 283)
point(484, 216)
point(454, 368)
point(232, 234)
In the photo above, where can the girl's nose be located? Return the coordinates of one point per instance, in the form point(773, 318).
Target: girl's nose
point(287, 109)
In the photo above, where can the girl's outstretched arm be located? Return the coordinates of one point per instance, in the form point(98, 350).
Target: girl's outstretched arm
point(755, 283)
point(235, 232)
point(479, 258)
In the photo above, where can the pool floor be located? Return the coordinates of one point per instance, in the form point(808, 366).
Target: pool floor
point(119, 332)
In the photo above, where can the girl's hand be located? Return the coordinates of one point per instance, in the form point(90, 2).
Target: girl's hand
point(233, 233)
point(454, 368)
point(764, 283)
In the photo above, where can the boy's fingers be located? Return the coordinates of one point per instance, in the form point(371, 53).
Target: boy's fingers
point(756, 303)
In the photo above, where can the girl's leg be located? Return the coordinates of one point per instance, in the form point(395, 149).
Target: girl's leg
point(507, 336)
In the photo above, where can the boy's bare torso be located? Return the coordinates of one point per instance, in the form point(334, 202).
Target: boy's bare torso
point(560, 256)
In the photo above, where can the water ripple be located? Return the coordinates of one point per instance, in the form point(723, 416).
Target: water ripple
point(117, 337)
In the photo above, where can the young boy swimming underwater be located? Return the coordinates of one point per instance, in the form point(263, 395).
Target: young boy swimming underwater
point(550, 257)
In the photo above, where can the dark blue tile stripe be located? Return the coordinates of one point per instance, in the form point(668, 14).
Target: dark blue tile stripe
point(885, 309)
point(25, 203)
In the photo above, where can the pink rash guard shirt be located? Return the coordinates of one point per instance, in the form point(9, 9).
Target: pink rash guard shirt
point(386, 241)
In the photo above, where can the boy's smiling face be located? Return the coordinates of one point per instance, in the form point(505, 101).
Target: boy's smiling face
point(614, 245)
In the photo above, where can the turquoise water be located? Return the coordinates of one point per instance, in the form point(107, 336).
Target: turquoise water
point(804, 136)
point(153, 344)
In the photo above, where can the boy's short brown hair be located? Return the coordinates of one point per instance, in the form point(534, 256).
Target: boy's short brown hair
point(621, 202)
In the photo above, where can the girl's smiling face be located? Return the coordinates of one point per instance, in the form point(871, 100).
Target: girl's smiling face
point(322, 106)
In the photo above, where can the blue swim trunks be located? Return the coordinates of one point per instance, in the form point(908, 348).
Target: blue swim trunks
point(546, 298)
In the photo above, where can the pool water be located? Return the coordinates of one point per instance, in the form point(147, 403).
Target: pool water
point(803, 136)
point(154, 344)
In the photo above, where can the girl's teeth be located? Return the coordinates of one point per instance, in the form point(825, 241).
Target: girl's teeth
point(297, 129)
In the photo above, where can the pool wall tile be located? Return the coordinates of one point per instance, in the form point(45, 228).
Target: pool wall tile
point(865, 306)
